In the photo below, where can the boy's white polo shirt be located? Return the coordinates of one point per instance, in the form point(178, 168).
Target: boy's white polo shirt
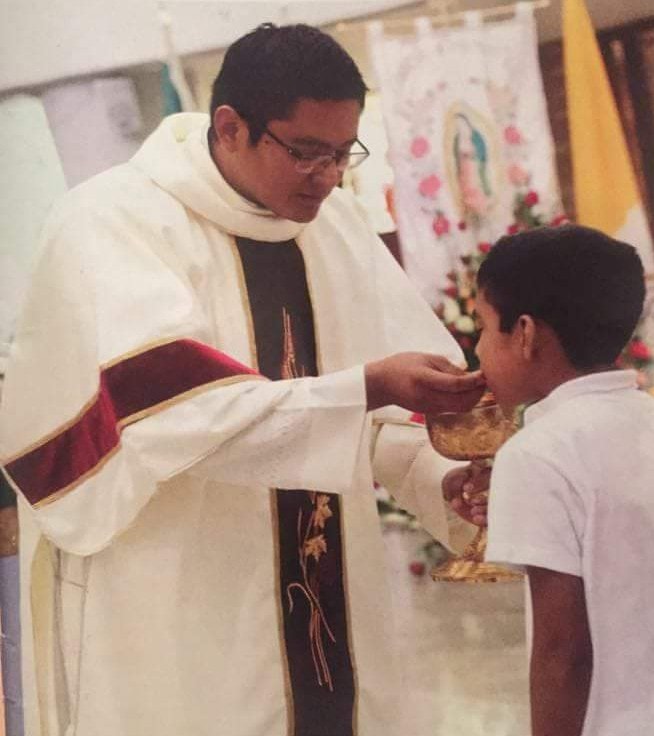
point(573, 492)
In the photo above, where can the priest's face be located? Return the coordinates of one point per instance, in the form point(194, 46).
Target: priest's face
point(298, 161)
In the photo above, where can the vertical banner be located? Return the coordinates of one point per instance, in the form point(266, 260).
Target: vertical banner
point(605, 188)
point(469, 138)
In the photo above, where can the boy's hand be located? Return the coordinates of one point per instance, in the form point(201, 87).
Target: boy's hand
point(466, 490)
point(423, 383)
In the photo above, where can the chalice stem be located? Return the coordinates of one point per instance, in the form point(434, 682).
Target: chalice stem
point(476, 550)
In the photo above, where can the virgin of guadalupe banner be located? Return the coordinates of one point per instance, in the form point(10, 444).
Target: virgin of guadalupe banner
point(469, 139)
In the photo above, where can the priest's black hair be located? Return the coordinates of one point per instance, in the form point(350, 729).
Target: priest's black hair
point(588, 287)
point(267, 71)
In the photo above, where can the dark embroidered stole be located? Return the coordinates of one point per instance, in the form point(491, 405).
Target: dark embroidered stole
point(311, 585)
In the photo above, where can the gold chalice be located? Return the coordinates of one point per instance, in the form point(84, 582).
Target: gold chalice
point(476, 436)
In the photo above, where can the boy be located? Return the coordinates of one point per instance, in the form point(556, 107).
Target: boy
point(572, 493)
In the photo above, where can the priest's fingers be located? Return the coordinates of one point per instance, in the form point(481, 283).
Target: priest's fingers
point(471, 504)
point(442, 392)
point(475, 488)
point(475, 493)
point(421, 382)
point(453, 483)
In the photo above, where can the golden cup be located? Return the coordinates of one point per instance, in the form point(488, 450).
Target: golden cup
point(475, 436)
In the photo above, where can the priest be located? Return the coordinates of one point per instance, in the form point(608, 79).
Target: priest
point(216, 360)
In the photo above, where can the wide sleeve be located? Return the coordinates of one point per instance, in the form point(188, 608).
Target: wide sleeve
point(535, 515)
point(406, 464)
point(113, 387)
point(403, 460)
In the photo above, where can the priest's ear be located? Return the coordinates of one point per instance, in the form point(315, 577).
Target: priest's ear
point(230, 130)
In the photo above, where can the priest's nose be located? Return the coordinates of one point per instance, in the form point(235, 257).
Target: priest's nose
point(326, 178)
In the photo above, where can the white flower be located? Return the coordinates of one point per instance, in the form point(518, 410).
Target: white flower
point(451, 310)
point(465, 324)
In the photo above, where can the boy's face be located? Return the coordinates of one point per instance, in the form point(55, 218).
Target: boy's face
point(502, 357)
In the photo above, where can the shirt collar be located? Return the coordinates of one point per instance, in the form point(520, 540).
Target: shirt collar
point(593, 383)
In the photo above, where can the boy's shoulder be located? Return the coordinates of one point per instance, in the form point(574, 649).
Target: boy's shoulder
point(583, 426)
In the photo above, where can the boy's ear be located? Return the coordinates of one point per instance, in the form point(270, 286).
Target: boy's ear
point(526, 334)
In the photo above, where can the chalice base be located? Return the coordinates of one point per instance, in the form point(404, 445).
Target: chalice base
point(471, 568)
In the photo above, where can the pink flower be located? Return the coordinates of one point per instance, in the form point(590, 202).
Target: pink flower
point(517, 175)
point(441, 225)
point(513, 229)
point(512, 135)
point(484, 247)
point(462, 226)
point(531, 198)
point(639, 351)
point(419, 147)
point(429, 186)
point(451, 291)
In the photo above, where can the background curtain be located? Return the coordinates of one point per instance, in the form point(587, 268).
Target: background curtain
point(469, 139)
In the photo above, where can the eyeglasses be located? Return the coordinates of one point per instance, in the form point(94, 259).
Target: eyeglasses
point(308, 163)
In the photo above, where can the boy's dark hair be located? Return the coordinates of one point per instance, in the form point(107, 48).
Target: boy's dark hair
point(588, 287)
point(267, 71)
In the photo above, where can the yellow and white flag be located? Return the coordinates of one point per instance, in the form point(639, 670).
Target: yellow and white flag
point(605, 187)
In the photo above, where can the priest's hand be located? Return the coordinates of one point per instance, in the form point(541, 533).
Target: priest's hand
point(422, 383)
point(466, 489)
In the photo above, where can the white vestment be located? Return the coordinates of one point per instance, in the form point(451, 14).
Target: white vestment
point(154, 587)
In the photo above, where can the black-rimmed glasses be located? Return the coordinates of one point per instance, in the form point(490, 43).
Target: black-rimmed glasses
point(308, 163)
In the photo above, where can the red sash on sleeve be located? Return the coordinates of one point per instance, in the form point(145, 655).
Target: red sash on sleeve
point(130, 389)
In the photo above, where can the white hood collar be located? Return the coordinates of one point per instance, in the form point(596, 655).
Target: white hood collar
point(176, 157)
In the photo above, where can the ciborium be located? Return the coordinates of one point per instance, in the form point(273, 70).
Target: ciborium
point(475, 436)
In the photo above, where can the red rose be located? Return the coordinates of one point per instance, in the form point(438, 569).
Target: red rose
point(417, 568)
point(559, 220)
point(639, 351)
point(484, 247)
point(513, 229)
point(452, 291)
point(531, 198)
point(462, 225)
point(441, 225)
